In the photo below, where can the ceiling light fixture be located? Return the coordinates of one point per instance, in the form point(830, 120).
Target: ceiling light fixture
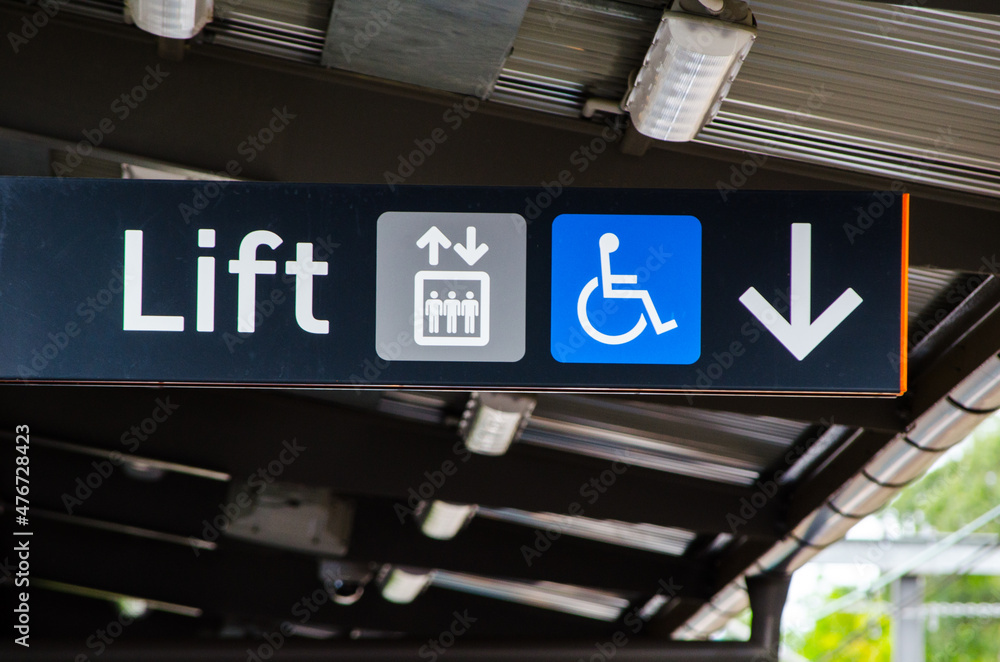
point(442, 520)
point(649, 537)
point(576, 600)
point(403, 585)
point(492, 421)
point(696, 53)
point(174, 19)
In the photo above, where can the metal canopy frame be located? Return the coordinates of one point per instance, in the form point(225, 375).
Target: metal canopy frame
point(353, 129)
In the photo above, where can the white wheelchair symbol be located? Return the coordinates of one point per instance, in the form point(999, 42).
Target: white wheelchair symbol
point(609, 244)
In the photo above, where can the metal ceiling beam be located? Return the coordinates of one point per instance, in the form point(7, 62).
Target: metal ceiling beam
point(962, 342)
point(942, 420)
point(816, 487)
point(626, 643)
point(379, 534)
point(68, 620)
point(944, 236)
point(367, 453)
point(497, 549)
point(119, 498)
point(727, 566)
point(975, 336)
point(374, 651)
point(264, 586)
point(883, 414)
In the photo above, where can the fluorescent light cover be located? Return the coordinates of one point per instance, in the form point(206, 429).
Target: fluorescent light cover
point(402, 587)
point(686, 73)
point(175, 19)
point(650, 537)
point(633, 449)
point(576, 600)
point(496, 420)
point(653, 606)
point(443, 521)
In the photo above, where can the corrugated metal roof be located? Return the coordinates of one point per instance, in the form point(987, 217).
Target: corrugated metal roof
point(567, 51)
point(719, 446)
point(898, 91)
point(103, 9)
point(295, 14)
point(929, 292)
point(288, 29)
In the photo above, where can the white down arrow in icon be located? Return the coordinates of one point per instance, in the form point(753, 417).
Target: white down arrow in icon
point(800, 334)
point(471, 252)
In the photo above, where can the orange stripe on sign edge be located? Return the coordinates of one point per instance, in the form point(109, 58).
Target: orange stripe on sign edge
point(903, 314)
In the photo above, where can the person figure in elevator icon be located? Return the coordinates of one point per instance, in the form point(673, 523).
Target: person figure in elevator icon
point(470, 310)
point(452, 308)
point(433, 308)
point(452, 311)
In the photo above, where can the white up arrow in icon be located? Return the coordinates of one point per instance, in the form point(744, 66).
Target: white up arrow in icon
point(436, 240)
point(801, 335)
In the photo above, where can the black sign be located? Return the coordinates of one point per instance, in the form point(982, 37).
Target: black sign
point(472, 288)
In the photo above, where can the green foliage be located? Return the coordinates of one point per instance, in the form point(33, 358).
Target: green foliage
point(941, 502)
point(956, 493)
point(842, 636)
point(964, 640)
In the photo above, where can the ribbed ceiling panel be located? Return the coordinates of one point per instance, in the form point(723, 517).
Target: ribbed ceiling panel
point(289, 29)
point(897, 91)
point(932, 291)
point(314, 14)
point(892, 90)
point(569, 50)
point(107, 10)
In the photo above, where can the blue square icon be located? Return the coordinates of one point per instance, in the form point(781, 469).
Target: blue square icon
point(626, 289)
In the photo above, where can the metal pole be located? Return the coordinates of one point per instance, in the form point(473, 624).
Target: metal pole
point(908, 619)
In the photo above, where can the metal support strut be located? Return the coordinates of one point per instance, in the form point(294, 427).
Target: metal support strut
point(767, 599)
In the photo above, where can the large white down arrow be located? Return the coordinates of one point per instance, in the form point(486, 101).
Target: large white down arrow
point(801, 335)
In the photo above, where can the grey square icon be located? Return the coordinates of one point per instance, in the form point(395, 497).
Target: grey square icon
point(450, 286)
